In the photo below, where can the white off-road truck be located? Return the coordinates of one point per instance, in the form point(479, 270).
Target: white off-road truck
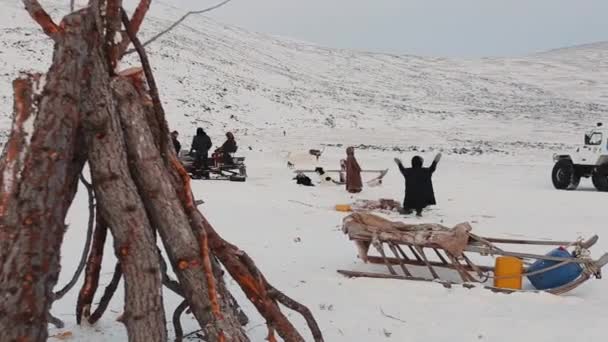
point(589, 160)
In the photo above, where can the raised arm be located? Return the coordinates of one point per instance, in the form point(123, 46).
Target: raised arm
point(401, 167)
point(435, 162)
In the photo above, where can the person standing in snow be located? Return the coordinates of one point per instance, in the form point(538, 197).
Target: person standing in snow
point(201, 143)
point(353, 172)
point(176, 143)
point(227, 148)
point(418, 184)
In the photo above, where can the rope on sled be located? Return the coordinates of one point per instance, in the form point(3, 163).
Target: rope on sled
point(587, 266)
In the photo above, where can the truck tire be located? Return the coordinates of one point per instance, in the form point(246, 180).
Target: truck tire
point(563, 175)
point(600, 178)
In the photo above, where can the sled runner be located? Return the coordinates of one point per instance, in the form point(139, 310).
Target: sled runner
point(453, 249)
point(375, 181)
point(218, 170)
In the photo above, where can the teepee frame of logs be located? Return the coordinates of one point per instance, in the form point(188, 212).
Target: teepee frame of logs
point(85, 111)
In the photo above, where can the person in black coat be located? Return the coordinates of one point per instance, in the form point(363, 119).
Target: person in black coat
point(176, 143)
point(418, 184)
point(227, 148)
point(201, 144)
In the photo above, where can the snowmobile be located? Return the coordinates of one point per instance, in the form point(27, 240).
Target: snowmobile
point(589, 160)
point(218, 169)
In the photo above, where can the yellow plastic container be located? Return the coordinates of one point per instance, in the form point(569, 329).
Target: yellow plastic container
point(343, 207)
point(508, 272)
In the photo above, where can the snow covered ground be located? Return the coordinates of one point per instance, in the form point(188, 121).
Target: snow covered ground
point(497, 121)
point(294, 235)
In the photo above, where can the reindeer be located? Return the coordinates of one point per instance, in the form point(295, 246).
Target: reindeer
point(316, 153)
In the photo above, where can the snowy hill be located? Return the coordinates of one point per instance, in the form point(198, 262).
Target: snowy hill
point(223, 77)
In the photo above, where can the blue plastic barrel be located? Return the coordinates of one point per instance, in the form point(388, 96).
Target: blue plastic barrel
point(556, 277)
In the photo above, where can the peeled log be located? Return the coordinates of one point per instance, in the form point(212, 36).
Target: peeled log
point(168, 216)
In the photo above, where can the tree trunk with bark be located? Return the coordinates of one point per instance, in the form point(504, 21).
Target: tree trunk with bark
point(83, 110)
point(39, 171)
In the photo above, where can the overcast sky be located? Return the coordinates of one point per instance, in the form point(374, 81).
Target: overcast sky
point(463, 28)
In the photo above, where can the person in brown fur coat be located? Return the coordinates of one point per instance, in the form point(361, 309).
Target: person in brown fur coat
point(353, 172)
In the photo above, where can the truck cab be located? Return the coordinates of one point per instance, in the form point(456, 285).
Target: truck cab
point(596, 146)
point(588, 160)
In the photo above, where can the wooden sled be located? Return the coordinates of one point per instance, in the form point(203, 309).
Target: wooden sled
point(375, 181)
point(451, 249)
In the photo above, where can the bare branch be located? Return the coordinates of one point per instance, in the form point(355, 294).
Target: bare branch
point(198, 333)
point(59, 294)
point(179, 21)
point(249, 278)
point(177, 326)
point(391, 317)
point(107, 295)
point(139, 15)
point(38, 13)
point(72, 5)
point(297, 307)
point(55, 321)
point(135, 24)
point(282, 298)
point(91, 278)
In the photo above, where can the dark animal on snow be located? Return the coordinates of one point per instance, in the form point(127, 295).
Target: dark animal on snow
point(316, 153)
point(302, 179)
